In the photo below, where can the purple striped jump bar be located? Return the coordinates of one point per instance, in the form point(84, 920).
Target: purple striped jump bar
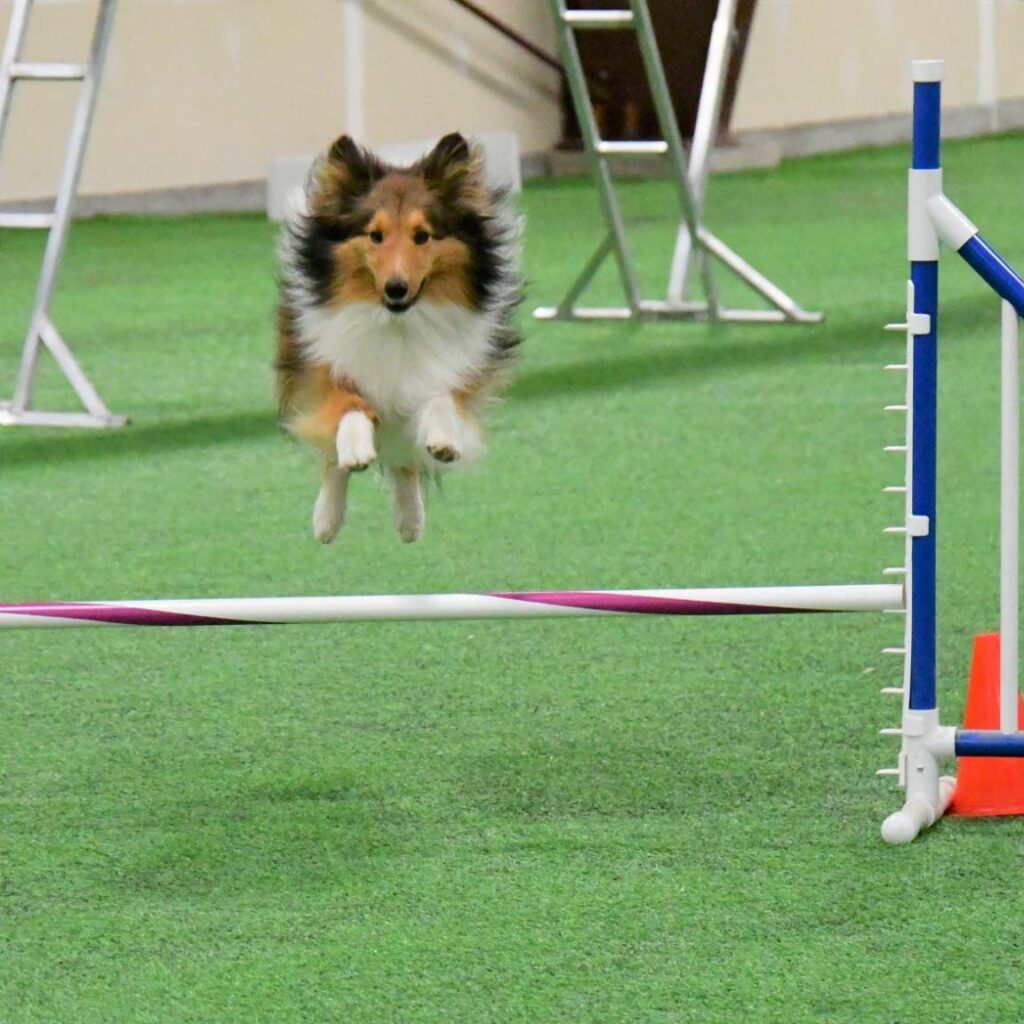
point(244, 611)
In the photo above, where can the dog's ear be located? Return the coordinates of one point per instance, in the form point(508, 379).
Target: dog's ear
point(451, 153)
point(345, 153)
point(341, 176)
point(452, 165)
point(353, 167)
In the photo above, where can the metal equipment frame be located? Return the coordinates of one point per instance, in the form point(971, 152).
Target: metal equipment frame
point(41, 332)
point(695, 244)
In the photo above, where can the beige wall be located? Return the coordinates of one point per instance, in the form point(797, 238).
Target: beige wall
point(208, 91)
point(431, 67)
point(829, 60)
point(193, 93)
point(204, 92)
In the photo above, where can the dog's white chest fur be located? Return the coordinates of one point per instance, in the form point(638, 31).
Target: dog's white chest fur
point(400, 362)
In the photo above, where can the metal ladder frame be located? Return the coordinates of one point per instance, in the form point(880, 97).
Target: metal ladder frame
point(41, 332)
point(695, 245)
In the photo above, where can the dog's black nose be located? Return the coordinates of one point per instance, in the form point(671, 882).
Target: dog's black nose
point(396, 289)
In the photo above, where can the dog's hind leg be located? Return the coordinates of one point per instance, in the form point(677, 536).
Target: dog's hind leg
point(407, 502)
point(329, 510)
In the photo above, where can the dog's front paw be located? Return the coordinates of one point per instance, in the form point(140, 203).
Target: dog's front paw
point(355, 442)
point(444, 451)
point(445, 434)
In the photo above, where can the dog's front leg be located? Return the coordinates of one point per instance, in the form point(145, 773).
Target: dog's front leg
point(354, 451)
point(342, 426)
point(445, 431)
point(355, 441)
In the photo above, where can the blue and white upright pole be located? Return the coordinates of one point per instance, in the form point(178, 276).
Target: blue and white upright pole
point(923, 251)
point(927, 795)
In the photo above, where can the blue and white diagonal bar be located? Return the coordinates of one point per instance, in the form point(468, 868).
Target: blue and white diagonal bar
point(961, 235)
point(957, 231)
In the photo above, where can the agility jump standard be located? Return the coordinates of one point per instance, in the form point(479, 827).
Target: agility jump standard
point(932, 217)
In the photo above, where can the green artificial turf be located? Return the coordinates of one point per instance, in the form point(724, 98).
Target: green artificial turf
point(581, 821)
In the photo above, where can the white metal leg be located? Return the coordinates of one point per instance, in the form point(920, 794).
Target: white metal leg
point(669, 126)
point(709, 112)
point(1009, 522)
point(789, 309)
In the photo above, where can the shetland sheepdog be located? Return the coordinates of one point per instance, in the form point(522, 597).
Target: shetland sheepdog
point(395, 320)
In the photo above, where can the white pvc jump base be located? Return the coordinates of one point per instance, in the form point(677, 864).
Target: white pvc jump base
point(253, 611)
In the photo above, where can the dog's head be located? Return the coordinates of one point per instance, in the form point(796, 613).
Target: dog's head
point(397, 235)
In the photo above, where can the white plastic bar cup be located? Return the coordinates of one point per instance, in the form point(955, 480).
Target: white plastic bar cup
point(1009, 522)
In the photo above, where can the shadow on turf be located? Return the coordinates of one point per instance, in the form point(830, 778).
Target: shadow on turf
point(294, 837)
point(719, 350)
point(139, 439)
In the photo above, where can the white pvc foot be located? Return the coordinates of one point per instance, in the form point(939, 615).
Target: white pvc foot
point(917, 814)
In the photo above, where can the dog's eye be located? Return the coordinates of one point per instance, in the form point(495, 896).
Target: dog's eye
point(421, 237)
point(376, 237)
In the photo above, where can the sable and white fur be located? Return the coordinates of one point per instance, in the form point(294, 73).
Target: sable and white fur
point(394, 322)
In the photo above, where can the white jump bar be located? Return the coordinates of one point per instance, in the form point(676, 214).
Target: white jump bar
point(538, 604)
